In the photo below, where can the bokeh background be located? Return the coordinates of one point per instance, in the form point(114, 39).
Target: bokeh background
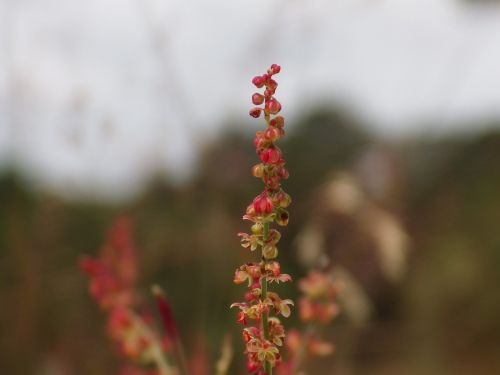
point(139, 108)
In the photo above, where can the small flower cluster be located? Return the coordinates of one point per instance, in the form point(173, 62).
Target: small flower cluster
point(112, 284)
point(263, 338)
point(317, 308)
point(319, 301)
point(113, 274)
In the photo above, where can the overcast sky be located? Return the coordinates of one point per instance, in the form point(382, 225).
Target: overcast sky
point(97, 94)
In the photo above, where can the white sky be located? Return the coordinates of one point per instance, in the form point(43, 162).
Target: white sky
point(95, 95)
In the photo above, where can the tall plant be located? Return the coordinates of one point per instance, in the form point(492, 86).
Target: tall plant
point(264, 333)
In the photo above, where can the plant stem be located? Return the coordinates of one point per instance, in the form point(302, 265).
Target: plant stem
point(158, 357)
point(161, 363)
point(265, 324)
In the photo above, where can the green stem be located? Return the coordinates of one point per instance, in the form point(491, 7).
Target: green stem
point(265, 316)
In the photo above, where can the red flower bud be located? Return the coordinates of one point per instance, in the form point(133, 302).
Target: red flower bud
point(271, 84)
point(258, 81)
point(255, 112)
point(260, 141)
point(262, 205)
point(270, 156)
point(272, 134)
point(256, 285)
point(272, 182)
point(275, 69)
point(273, 106)
point(283, 173)
point(278, 122)
point(257, 99)
point(268, 93)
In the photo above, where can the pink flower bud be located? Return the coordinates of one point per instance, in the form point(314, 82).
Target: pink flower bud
point(262, 205)
point(255, 112)
point(272, 182)
point(275, 69)
point(283, 173)
point(270, 156)
point(255, 287)
point(260, 141)
point(253, 270)
point(272, 134)
point(257, 99)
point(271, 84)
point(268, 93)
point(273, 106)
point(258, 81)
point(283, 199)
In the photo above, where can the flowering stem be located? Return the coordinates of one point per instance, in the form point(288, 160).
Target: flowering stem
point(264, 337)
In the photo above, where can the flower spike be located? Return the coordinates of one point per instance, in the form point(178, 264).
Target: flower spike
point(264, 333)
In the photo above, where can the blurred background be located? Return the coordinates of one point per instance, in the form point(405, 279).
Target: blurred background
point(140, 108)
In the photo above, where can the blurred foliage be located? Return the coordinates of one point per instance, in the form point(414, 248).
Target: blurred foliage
point(441, 319)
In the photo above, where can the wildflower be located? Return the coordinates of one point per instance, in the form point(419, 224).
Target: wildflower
point(317, 307)
point(113, 274)
point(112, 277)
